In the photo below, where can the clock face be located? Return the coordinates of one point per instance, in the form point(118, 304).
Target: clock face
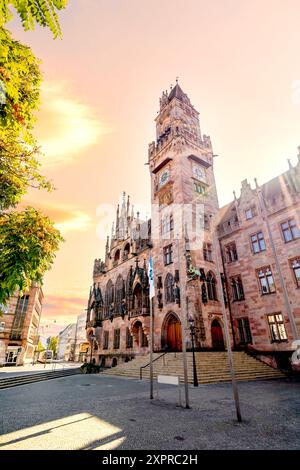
point(164, 176)
point(198, 172)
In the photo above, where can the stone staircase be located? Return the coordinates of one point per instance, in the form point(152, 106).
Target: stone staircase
point(24, 379)
point(212, 367)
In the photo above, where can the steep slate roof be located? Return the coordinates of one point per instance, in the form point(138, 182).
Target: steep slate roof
point(177, 92)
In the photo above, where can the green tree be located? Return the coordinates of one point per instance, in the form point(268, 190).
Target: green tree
point(28, 239)
point(42, 12)
point(53, 344)
point(40, 347)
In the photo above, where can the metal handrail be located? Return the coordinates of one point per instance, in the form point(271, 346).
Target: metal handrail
point(146, 365)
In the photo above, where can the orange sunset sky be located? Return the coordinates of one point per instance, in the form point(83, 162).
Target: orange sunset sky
point(238, 61)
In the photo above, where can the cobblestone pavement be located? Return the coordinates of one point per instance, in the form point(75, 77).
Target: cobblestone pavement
point(103, 412)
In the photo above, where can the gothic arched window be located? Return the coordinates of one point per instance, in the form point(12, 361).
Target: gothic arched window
point(109, 297)
point(211, 286)
point(169, 289)
point(119, 294)
point(126, 251)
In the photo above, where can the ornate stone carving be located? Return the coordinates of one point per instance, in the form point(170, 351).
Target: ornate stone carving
point(99, 267)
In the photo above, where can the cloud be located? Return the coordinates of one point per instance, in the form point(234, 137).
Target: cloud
point(59, 311)
point(65, 126)
point(67, 218)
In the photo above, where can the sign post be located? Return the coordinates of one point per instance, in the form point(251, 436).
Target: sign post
point(151, 296)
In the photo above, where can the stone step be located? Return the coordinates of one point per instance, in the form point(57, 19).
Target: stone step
point(38, 377)
point(212, 367)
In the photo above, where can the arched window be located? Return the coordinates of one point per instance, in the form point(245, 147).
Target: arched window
point(237, 288)
point(117, 256)
point(169, 289)
point(119, 294)
point(137, 297)
point(211, 286)
point(126, 251)
point(109, 297)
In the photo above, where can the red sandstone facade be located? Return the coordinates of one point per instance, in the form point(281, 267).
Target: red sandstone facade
point(186, 235)
point(19, 327)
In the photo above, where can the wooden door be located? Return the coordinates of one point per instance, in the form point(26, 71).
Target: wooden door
point(174, 335)
point(217, 336)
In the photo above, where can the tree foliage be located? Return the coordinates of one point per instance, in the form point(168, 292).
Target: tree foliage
point(19, 170)
point(53, 344)
point(42, 12)
point(28, 239)
point(40, 347)
point(20, 83)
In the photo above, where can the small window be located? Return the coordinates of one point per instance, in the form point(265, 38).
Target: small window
point(266, 281)
point(290, 230)
point(211, 286)
point(244, 330)
point(277, 328)
point(258, 242)
point(295, 265)
point(167, 224)
point(237, 289)
point(249, 214)
point(168, 255)
point(117, 339)
point(105, 339)
point(207, 252)
point(129, 339)
point(231, 252)
point(200, 188)
point(169, 289)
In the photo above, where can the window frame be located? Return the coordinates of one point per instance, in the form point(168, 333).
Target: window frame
point(208, 252)
point(168, 254)
point(289, 229)
point(129, 339)
point(250, 209)
point(276, 322)
point(237, 289)
point(117, 335)
point(105, 339)
point(266, 278)
point(258, 241)
point(211, 287)
point(228, 250)
point(244, 326)
point(296, 280)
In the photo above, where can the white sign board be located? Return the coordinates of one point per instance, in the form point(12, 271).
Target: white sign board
point(168, 379)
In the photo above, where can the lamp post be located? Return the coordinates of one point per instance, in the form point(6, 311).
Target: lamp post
point(92, 337)
point(192, 330)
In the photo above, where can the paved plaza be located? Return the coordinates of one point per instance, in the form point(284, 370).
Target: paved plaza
point(103, 412)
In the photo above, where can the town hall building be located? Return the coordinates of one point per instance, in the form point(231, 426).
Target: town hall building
point(255, 238)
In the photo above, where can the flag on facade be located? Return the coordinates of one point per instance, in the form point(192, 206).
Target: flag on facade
point(151, 278)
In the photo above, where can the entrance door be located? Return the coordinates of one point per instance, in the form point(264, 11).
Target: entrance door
point(174, 340)
point(217, 336)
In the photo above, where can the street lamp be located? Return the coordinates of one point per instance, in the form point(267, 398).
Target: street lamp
point(192, 330)
point(92, 337)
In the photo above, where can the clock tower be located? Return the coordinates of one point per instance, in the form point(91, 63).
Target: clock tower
point(184, 203)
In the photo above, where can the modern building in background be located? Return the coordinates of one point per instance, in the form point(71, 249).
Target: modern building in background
point(181, 164)
point(81, 345)
point(19, 327)
point(66, 339)
point(72, 342)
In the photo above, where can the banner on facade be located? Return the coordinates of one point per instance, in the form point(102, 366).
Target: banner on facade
point(151, 278)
